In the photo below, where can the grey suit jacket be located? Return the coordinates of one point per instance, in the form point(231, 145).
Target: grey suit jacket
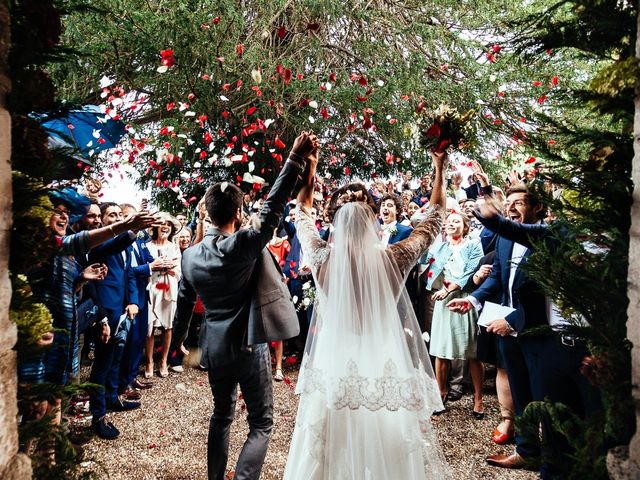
point(244, 298)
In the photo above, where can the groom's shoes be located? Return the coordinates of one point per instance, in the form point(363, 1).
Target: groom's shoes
point(507, 461)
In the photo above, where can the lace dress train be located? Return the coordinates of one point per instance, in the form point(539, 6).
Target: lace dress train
point(366, 386)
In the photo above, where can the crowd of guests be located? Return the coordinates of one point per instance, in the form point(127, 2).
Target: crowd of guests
point(115, 276)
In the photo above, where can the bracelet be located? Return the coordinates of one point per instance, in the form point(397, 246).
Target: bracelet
point(112, 232)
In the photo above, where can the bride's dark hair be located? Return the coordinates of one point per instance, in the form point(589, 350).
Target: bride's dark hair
point(353, 192)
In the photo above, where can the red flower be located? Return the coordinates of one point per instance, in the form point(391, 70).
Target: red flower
point(389, 158)
point(542, 99)
point(552, 141)
point(496, 48)
point(167, 57)
point(537, 83)
point(491, 57)
point(251, 110)
point(240, 49)
point(292, 360)
point(287, 76)
point(347, 171)
point(434, 131)
point(279, 143)
point(442, 146)
point(282, 32)
point(202, 119)
point(324, 113)
point(164, 131)
point(530, 160)
point(363, 81)
point(554, 80)
point(333, 77)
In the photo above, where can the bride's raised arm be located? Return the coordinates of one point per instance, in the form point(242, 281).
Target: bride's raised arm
point(315, 249)
point(408, 251)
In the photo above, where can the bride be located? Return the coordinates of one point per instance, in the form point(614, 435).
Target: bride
point(367, 389)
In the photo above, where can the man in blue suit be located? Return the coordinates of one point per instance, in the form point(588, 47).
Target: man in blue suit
point(554, 359)
point(515, 289)
point(142, 264)
point(117, 294)
point(390, 208)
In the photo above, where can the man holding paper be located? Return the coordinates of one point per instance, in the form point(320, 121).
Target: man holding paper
point(522, 306)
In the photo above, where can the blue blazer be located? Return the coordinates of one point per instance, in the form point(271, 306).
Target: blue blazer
point(438, 256)
point(119, 288)
point(403, 232)
point(142, 271)
point(527, 296)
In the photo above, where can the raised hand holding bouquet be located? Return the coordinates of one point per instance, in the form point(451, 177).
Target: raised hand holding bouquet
point(445, 128)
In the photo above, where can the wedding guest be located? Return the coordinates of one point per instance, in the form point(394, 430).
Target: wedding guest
point(390, 209)
point(453, 336)
point(488, 352)
point(423, 193)
point(117, 295)
point(280, 248)
point(183, 238)
point(163, 290)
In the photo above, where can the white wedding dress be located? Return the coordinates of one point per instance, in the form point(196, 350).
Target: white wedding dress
point(367, 389)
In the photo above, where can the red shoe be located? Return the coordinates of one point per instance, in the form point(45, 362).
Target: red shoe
point(500, 438)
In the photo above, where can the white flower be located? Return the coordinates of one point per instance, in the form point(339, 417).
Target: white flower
point(256, 75)
point(306, 285)
point(306, 302)
point(313, 104)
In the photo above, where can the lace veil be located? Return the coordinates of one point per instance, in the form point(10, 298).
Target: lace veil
point(366, 379)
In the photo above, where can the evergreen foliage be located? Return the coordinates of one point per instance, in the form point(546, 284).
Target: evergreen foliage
point(591, 162)
point(35, 34)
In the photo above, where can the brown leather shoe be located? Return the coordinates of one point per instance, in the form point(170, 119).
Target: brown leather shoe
point(507, 461)
point(141, 385)
point(131, 394)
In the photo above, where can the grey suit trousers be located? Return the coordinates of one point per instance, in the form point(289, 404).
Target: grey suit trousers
point(252, 371)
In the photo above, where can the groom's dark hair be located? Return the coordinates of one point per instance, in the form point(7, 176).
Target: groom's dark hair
point(222, 203)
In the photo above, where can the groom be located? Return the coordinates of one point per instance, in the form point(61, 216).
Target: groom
point(246, 304)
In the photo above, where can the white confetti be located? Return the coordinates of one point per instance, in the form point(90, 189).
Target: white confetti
point(223, 187)
point(162, 69)
point(106, 82)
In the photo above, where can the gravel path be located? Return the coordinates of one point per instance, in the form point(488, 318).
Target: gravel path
point(167, 438)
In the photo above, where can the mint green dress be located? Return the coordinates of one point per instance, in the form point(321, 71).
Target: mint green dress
point(453, 335)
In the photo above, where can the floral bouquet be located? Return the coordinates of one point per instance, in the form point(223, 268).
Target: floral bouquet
point(444, 128)
point(308, 296)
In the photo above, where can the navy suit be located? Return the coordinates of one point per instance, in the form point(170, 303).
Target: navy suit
point(530, 310)
point(403, 232)
point(114, 293)
point(132, 354)
point(550, 362)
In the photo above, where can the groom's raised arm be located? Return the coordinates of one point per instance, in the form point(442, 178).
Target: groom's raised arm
point(250, 242)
